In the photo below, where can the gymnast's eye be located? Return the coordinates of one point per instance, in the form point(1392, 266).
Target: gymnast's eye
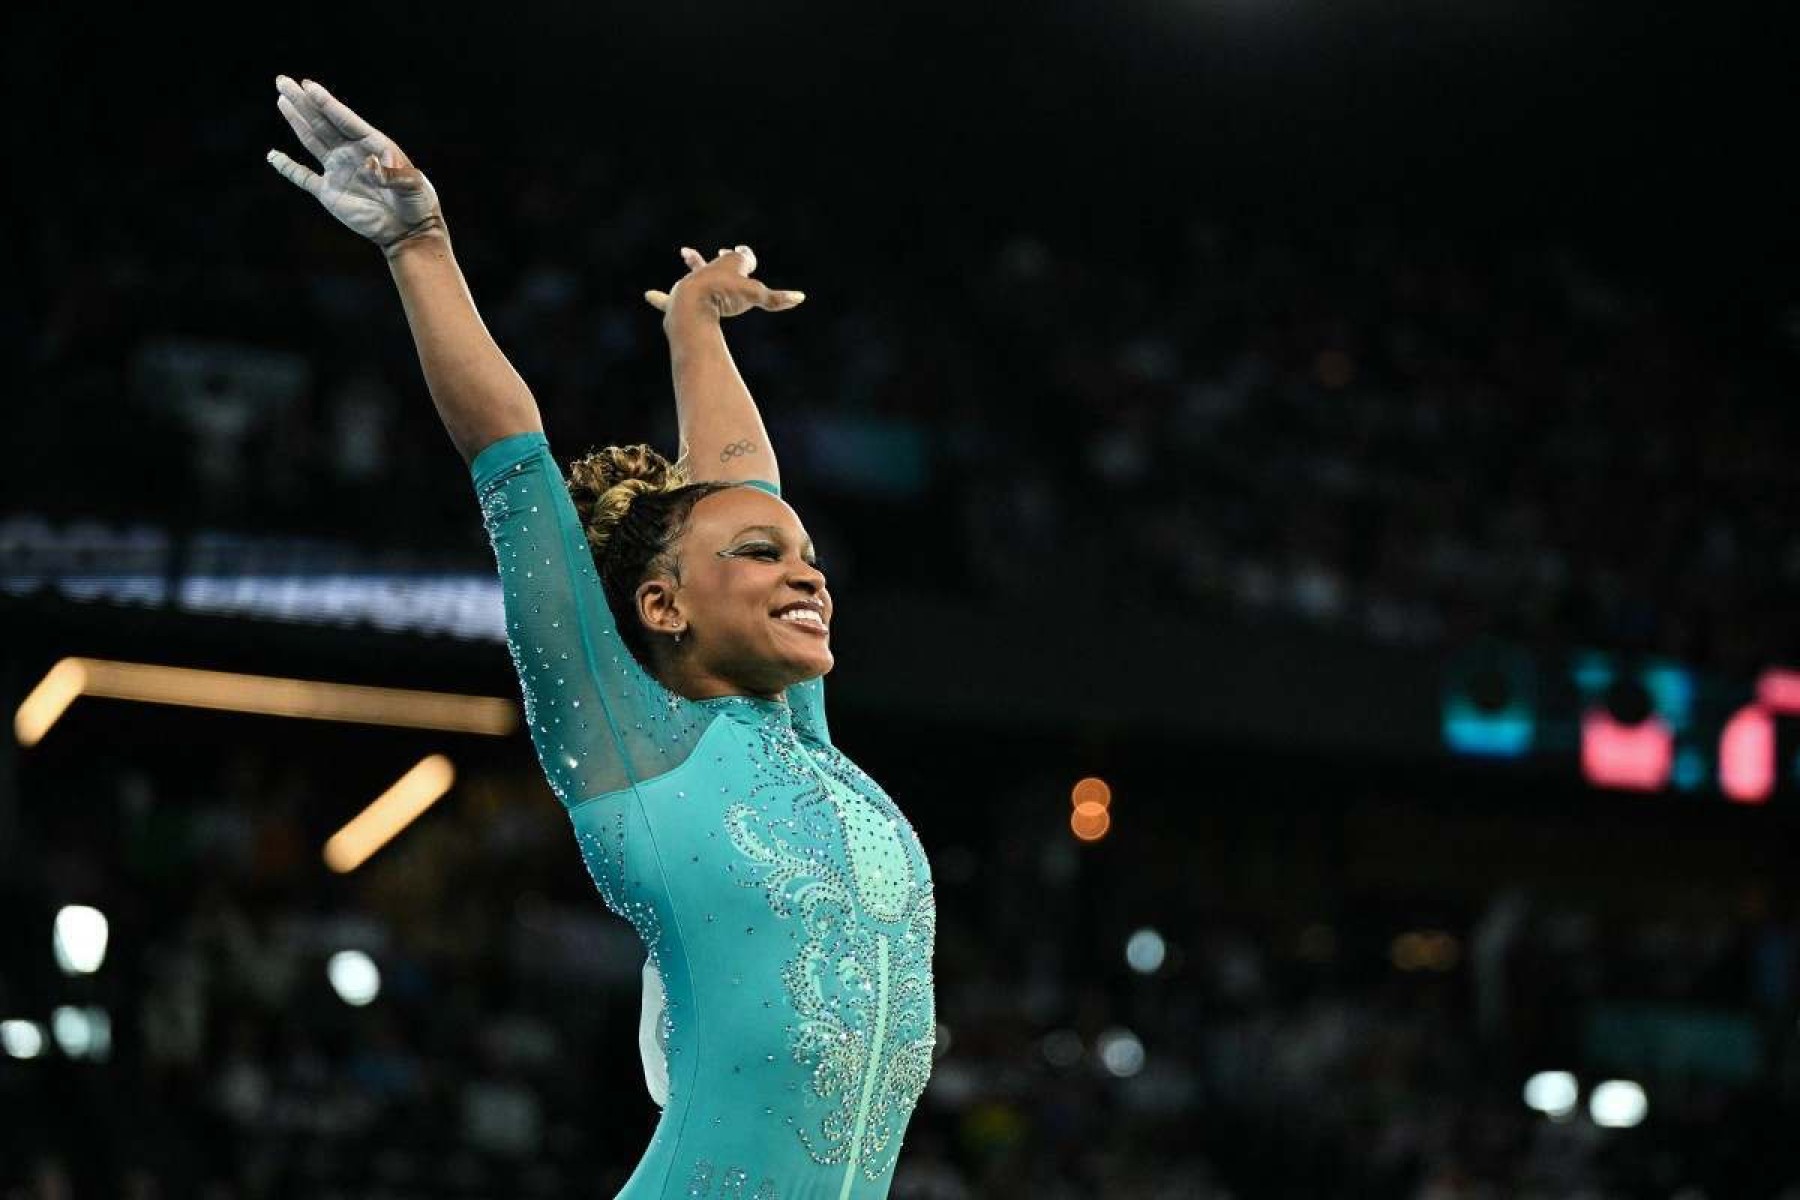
point(764, 550)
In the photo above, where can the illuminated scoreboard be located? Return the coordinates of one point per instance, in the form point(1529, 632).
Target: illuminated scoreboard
point(1629, 722)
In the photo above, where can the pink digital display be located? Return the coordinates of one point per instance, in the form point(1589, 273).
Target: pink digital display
point(1747, 755)
point(1638, 757)
point(1642, 724)
point(1747, 768)
point(1633, 757)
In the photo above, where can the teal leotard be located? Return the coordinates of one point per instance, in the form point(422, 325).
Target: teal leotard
point(785, 903)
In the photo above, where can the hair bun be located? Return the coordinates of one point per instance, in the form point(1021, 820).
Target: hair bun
point(605, 482)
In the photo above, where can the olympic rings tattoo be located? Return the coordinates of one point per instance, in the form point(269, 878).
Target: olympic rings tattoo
point(737, 449)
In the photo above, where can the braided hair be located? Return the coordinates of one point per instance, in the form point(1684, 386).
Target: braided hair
point(634, 505)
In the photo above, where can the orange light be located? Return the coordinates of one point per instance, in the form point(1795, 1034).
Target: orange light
point(64, 684)
point(1091, 790)
point(389, 813)
point(1090, 821)
point(1407, 952)
point(316, 700)
point(1425, 950)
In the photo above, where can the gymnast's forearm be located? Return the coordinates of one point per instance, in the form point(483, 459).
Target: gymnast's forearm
point(479, 396)
point(722, 434)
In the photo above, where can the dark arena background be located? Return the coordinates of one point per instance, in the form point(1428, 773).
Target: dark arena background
point(1309, 490)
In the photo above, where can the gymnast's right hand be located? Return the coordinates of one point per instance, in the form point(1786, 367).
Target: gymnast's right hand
point(367, 181)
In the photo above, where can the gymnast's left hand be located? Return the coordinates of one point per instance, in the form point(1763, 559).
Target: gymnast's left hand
point(365, 180)
point(720, 288)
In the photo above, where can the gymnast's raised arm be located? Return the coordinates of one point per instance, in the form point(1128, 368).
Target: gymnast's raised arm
point(368, 183)
point(722, 435)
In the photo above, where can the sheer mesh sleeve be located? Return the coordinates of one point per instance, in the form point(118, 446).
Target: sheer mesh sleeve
point(599, 721)
point(807, 699)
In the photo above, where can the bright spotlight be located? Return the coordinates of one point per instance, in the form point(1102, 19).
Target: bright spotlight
point(1618, 1104)
point(1121, 1053)
point(354, 977)
point(1552, 1093)
point(1144, 951)
point(80, 939)
point(21, 1039)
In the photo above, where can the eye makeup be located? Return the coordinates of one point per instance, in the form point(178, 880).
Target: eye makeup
point(758, 548)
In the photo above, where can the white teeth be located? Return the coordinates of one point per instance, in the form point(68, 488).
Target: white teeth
point(802, 614)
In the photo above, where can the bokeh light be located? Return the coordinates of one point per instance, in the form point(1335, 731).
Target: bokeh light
point(79, 939)
point(82, 1033)
point(1090, 821)
point(354, 977)
point(1618, 1104)
point(1120, 1052)
point(21, 1039)
point(1091, 790)
point(1144, 951)
point(1553, 1093)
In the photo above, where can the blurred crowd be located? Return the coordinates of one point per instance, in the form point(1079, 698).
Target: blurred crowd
point(1409, 436)
point(1104, 1032)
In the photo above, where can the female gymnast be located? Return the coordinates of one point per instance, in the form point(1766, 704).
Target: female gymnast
point(670, 627)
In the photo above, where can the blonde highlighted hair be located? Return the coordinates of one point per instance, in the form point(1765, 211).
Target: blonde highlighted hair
point(634, 505)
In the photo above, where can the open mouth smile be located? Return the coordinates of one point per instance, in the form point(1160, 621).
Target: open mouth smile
point(805, 617)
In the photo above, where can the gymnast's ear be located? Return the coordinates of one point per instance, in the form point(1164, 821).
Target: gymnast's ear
point(657, 607)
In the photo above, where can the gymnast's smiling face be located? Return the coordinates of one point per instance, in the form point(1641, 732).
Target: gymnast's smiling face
point(750, 599)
